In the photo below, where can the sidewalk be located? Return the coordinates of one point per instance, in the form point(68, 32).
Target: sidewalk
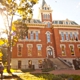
point(8, 76)
point(56, 72)
point(70, 72)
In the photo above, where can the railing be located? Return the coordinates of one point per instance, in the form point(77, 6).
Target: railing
point(69, 64)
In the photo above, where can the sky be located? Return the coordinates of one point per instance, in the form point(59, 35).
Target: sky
point(62, 9)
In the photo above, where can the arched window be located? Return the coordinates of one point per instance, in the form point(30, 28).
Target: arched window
point(48, 37)
point(49, 50)
point(62, 36)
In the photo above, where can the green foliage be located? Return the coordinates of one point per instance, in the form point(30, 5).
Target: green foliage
point(23, 8)
point(27, 70)
point(4, 57)
point(75, 77)
point(47, 69)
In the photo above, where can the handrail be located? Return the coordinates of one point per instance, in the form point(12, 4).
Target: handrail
point(65, 62)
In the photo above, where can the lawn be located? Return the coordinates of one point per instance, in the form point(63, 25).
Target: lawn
point(47, 76)
point(27, 75)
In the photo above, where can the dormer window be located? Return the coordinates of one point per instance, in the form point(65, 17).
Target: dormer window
point(48, 25)
point(48, 8)
point(45, 8)
point(66, 22)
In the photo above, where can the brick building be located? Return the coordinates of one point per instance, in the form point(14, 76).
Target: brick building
point(47, 38)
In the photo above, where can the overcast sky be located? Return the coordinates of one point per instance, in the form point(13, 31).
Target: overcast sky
point(62, 9)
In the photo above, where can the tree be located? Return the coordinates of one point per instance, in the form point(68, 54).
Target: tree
point(4, 57)
point(10, 8)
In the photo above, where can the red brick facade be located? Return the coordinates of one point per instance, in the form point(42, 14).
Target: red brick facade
point(51, 41)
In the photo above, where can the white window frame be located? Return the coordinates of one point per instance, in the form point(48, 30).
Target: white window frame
point(73, 48)
point(37, 35)
point(76, 35)
point(21, 49)
point(67, 36)
point(48, 24)
point(48, 37)
point(62, 36)
point(31, 35)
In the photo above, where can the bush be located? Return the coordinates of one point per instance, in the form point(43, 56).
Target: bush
point(27, 70)
point(47, 69)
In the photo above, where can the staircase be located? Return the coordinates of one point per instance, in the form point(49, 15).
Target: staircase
point(59, 64)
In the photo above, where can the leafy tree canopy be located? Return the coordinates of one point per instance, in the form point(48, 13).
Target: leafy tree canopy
point(21, 8)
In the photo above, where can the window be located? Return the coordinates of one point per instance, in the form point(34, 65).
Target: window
point(44, 16)
point(48, 25)
point(26, 37)
point(63, 50)
point(29, 50)
point(78, 47)
point(71, 36)
point(72, 50)
point(55, 22)
point(31, 35)
point(66, 22)
point(19, 50)
point(39, 50)
point(19, 64)
point(30, 63)
point(48, 16)
point(60, 22)
point(48, 37)
point(76, 36)
point(40, 63)
point(37, 35)
point(67, 36)
point(49, 51)
point(45, 8)
point(62, 36)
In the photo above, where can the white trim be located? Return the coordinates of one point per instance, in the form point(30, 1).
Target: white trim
point(73, 31)
point(73, 49)
point(20, 44)
point(39, 44)
point(62, 45)
point(30, 45)
point(52, 51)
point(64, 49)
point(34, 30)
point(48, 32)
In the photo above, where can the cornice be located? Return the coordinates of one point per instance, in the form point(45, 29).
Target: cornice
point(46, 10)
point(65, 26)
point(36, 25)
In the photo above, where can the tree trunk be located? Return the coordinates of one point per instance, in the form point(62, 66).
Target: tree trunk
point(9, 59)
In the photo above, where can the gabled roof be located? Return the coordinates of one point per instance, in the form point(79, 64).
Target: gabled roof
point(43, 3)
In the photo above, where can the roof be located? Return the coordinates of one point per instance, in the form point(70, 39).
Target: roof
point(67, 22)
point(43, 3)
